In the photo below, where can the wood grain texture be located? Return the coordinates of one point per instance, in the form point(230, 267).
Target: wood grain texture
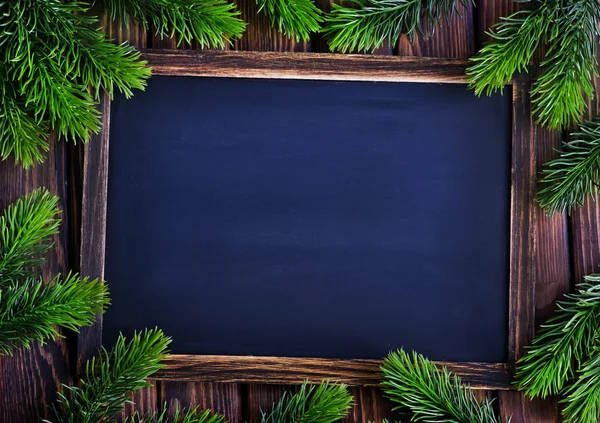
point(260, 35)
point(220, 398)
point(261, 398)
point(452, 39)
point(585, 221)
point(281, 370)
point(552, 275)
point(313, 66)
point(93, 227)
point(522, 226)
point(371, 406)
point(30, 378)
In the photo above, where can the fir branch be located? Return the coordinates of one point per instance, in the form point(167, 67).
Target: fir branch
point(295, 18)
point(52, 52)
point(368, 25)
point(324, 403)
point(30, 311)
point(568, 336)
point(180, 415)
point(559, 94)
point(569, 179)
point(570, 29)
point(20, 134)
point(25, 230)
point(431, 394)
point(513, 41)
point(210, 22)
point(111, 377)
point(583, 397)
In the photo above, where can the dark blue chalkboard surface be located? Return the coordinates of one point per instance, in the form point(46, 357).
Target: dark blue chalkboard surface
point(311, 218)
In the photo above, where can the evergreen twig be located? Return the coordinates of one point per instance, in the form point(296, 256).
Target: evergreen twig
point(582, 399)
point(30, 311)
point(210, 22)
point(51, 52)
point(294, 18)
point(566, 339)
point(25, 231)
point(368, 25)
point(569, 179)
point(111, 377)
point(432, 395)
point(324, 403)
point(570, 29)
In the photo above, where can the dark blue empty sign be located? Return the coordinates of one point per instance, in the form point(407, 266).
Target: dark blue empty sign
point(311, 218)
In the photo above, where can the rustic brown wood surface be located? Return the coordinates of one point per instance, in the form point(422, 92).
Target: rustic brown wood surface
point(285, 370)
point(29, 379)
point(314, 66)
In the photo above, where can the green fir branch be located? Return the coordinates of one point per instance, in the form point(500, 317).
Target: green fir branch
point(570, 30)
point(295, 18)
point(20, 134)
point(572, 177)
point(567, 338)
point(180, 415)
point(513, 41)
point(30, 311)
point(583, 397)
point(111, 377)
point(432, 395)
point(25, 231)
point(210, 22)
point(52, 53)
point(371, 22)
point(324, 403)
point(559, 94)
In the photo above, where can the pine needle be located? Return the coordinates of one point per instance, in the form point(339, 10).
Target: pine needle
point(559, 95)
point(572, 177)
point(52, 52)
point(325, 403)
point(513, 41)
point(111, 377)
point(295, 18)
point(432, 395)
point(371, 22)
point(180, 415)
point(567, 338)
point(30, 311)
point(25, 231)
point(210, 22)
point(570, 30)
point(583, 397)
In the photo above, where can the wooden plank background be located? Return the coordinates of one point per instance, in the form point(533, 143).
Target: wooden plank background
point(568, 248)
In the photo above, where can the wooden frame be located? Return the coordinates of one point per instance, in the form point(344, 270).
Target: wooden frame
point(357, 372)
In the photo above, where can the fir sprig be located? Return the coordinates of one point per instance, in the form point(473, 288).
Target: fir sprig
point(25, 231)
point(210, 22)
point(180, 415)
point(567, 338)
point(29, 311)
point(325, 403)
point(582, 399)
point(368, 25)
point(513, 42)
point(559, 94)
point(432, 395)
point(294, 18)
point(572, 177)
point(570, 29)
point(51, 52)
point(110, 378)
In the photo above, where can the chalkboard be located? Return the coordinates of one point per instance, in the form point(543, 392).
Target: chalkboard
point(311, 218)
